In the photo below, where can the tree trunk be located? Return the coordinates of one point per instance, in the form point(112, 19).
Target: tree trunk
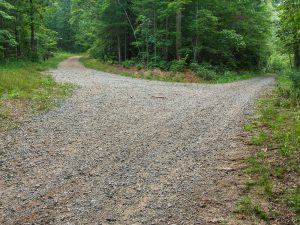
point(166, 41)
point(178, 33)
point(196, 54)
point(125, 47)
point(119, 48)
point(290, 59)
point(32, 32)
point(155, 35)
point(129, 22)
point(297, 55)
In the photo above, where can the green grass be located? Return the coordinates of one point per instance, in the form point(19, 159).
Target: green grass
point(23, 80)
point(249, 127)
point(275, 131)
point(248, 207)
point(293, 199)
point(258, 138)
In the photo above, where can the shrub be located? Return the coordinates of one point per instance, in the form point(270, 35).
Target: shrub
point(178, 65)
point(289, 85)
point(278, 62)
point(128, 63)
point(295, 78)
point(164, 65)
point(139, 66)
point(205, 71)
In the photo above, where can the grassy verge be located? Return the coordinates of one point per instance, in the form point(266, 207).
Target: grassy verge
point(24, 89)
point(272, 191)
point(185, 76)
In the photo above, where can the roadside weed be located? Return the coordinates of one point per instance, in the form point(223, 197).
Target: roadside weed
point(249, 126)
point(293, 199)
point(259, 138)
point(248, 207)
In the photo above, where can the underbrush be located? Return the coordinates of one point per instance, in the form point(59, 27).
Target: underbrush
point(174, 71)
point(140, 72)
point(273, 188)
point(22, 85)
point(215, 75)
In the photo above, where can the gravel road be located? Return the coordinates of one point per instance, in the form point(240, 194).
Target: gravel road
point(127, 151)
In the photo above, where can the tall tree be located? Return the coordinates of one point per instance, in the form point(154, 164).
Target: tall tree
point(290, 26)
point(59, 20)
point(6, 38)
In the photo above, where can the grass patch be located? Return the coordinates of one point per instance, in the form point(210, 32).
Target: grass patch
point(248, 207)
point(249, 127)
point(274, 166)
point(258, 138)
point(293, 199)
point(22, 82)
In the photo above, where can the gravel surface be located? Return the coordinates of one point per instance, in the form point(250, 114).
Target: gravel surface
point(127, 151)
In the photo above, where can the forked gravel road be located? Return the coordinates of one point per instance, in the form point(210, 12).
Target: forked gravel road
point(127, 151)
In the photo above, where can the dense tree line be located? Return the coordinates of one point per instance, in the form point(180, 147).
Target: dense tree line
point(234, 34)
point(289, 28)
point(23, 30)
point(229, 33)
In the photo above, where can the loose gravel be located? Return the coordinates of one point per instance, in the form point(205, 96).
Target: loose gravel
point(127, 151)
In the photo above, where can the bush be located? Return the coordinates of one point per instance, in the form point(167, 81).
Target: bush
point(178, 65)
point(205, 71)
point(161, 64)
point(128, 63)
point(295, 78)
point(288, 88)
point(278, 62)
point(139, 66)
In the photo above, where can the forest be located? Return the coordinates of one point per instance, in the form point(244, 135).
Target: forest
point(226, 35)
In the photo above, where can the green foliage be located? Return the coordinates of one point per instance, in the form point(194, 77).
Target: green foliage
point(234, 34)
point(145, 74)
point(24, 31)
point(128, 63)
point(159, 63)
point(205, 71)
point(6, 37)
point(294, 76)
point(289, 87)
point(213, 74)
point(278, 62)
point(58, 20)
point(289, 25)
point(178, 65)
